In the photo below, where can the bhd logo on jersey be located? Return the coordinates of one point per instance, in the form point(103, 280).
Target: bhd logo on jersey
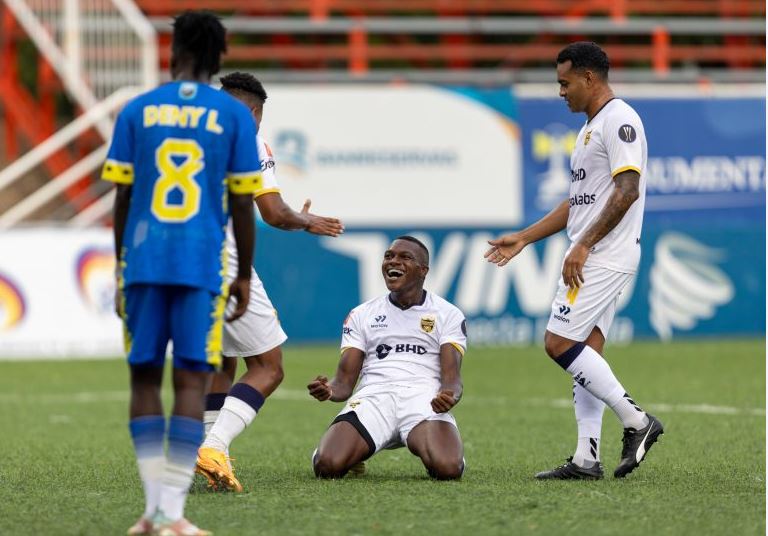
point(383, 350)
point(554, 146)
point(12, 305)
point(95, 275)
point(428, 323)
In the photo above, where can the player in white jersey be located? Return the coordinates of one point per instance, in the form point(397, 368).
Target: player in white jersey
point(256, 337)
point(603, 217)
point(406, 349)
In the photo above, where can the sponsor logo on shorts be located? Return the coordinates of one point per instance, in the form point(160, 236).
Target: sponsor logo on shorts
point(564, 310)
point(582, 199)
point(428, 323)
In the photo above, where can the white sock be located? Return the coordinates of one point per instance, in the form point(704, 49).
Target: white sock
point(234, 417)
point(176, 482)
point(184, 437)
point(151, 473)
point(592, 372)
point(209, 418)
point(589, 420)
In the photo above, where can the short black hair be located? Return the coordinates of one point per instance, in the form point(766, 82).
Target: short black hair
point(199, 36)
point(239, 82)
point(419, 243)
point(586, 55)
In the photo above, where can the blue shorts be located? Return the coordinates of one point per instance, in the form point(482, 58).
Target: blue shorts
point(190, 317)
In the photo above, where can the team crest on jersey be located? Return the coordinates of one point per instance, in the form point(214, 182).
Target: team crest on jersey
point(587, 137)
point(427, 323)
point(354, 404)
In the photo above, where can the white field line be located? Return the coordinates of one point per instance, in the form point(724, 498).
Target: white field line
point(95, 397)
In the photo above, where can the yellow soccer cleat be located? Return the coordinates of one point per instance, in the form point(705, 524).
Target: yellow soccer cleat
point(141, 527)
point(358, 469)
point(181, 527)
point(215, 465)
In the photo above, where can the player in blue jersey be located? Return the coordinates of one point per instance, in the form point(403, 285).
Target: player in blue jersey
point(183, 157)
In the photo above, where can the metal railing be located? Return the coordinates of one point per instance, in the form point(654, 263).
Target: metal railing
point(57, 141)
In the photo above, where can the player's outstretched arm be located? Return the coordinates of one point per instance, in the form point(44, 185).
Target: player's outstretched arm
point(244, 229)
point(341, 386)
point(506, 247)
point(625, 192)
point(451, 387)
point(278, 214)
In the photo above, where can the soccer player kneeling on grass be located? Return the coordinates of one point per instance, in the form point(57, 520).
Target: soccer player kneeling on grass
point(406, 347)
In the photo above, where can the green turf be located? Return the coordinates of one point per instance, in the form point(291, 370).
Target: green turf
point(67, 466)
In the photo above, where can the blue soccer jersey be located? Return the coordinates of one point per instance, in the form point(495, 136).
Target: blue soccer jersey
point(182, 147)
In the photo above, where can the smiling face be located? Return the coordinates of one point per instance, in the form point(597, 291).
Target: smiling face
point(575, 86)
point(405, 266)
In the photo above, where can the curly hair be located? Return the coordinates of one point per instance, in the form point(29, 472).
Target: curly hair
point(243, 83)
point(200, 37)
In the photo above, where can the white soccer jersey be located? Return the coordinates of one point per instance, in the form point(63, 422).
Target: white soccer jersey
point(268, 185)
point(402, 347)
point(612, 142)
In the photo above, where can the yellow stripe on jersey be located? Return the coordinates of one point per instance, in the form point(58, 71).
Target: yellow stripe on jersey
point(118, 172)
point(571, 294)
point(267, 191)
point(245, 183)
point(459, 348)
point(213, 340)
point(625, 168)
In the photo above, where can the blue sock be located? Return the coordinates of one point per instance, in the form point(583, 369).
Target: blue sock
point(184, 438)
point(148, 434)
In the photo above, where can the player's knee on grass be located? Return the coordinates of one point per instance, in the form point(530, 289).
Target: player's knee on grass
point(328, 465)
point(446, 469)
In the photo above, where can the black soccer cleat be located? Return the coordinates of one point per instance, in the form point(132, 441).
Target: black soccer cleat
point(637, 443)
point(571, 471)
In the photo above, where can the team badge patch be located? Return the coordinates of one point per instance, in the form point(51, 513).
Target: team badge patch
point(587, 137)
point(627, 133)
point(427, 323)
point(354, 404)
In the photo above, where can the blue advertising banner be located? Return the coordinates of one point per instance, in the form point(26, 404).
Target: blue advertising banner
point(702, 271)
point(692, 282)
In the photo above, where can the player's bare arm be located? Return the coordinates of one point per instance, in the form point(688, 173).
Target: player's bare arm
point(278, 214)
point(341, 386)
point(451, 387)
point(625, 192)
point(243, 226)
point(506, 247)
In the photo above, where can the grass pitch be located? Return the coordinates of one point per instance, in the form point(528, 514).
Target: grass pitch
point(67, 465)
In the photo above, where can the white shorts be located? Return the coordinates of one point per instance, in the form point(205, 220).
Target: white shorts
point(575, 314)
point(258, 330)
point(389, 413)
